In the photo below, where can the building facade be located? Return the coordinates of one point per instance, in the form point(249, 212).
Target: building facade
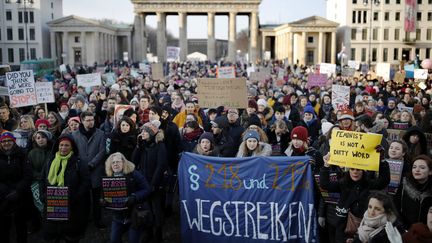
point(374, 30)
point(24, 32)
point(306, 41)
point(80, 41)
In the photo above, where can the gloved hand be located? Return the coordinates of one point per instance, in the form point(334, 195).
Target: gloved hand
point(12, 196)
point(131, 201)
point(321, 221)
point(392, 233)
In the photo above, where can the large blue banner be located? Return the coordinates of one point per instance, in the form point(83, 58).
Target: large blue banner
point(257, 199)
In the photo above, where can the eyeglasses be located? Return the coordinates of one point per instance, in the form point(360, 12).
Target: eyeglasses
point(7, 141)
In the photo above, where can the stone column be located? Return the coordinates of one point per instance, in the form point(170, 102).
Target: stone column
point(211, 41)
point(83, 48)
point(53, 45)
point(144, 36)
point(101, 49)
point(253, 54)
point(112, 47)
point(183, 43)
point(161, 37)
point(303, 49)
point(333, 47)
point(116, 49)
point(290, 48)
point(66, 47)
point(96, 46)
point(232, 37)
point(137, 38)
point(129, 47)
point(320, 47)
point(263, 46)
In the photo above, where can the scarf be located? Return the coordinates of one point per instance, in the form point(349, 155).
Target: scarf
point(369, 227)
point(195, 134)
point(57, 169)
point(327, 108)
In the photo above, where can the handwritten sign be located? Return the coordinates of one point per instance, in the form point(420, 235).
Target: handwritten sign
point(173, 53)
point(44, 92)
point(396, 167)
point(420, 73)
point(89, 80)
point(340, 97)
point(63, 68)
point(230, 93)
point(145, 68)
point(258, 76)
point(348, 72)
point(281, 73)
point(115, 192)
point(316, 80)
point(253, 199)
point(21, 88)
point(355, 150)
point(383, 70)
point(225, 72)
point(57, 203)
point(354, 64)
point(399, 77)
point(157, 71)
point(409, 70)
point(328, 68)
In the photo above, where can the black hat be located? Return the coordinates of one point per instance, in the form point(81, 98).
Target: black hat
point(206, 135)
point(220, 122)
point(156, 109)
point(254, 120)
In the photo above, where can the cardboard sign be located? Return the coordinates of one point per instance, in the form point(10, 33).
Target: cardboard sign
point(63, 68)
point(396, 167)
point(258, 76)
point(157, 71)
point(399, 77)
point(355, 150)
point(89, 80)
point(21, 88)
point(316, 80)
point(44, 92)
point(225, 72)
point(354, 64)
point(409, 70)
point(230, 93)
point(173, 53)
point(383, 70)
point(340, 97)
point(114, 191)
point(420, 73)
point(328, 68)
point(371, 75)
point(348, 72)
point(57, 203)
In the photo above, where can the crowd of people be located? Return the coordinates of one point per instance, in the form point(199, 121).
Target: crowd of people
point(79, 139)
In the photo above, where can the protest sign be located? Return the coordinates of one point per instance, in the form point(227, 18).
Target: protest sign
point(327, 68)
point(329, 197)
point(118, 112)
point(399, 77)
point(316, 80)
point(57, 203)
point(21, 88)
point(63, 68)
point(89, 80)
point(383, 70)
point(394, 134)
point(348, 72)
point(354, 64)
point(258, 76)
point(114, 191)
point(110, 78)
point(281, 73)
point(44, 92)
point(420, 73)
point(371, 75)
point(355, 150)
point(225, 72)
point(265, 70)
point(230, 93)
point(253, 199)
point(173, 53)
point(157, 71)
point(409, 70)
point(396, 167)
point(145, 68)
point(250, 70)
point(422, 85)
point(340, 96)
point(364, 69)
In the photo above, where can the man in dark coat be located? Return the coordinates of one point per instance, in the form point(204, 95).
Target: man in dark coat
point(6, 121)
point(223, 141)
point(91, 147)
point(235, 130)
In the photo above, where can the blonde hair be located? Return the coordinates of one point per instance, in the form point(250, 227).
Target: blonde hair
point(128, 167)
point(29, 119)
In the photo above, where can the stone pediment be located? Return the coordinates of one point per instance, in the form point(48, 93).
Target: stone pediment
point(73, 21)
point(314, 21)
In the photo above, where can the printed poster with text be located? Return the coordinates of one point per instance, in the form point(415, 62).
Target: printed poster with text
point(57, 203)
point(355, 150)
point(114, 191)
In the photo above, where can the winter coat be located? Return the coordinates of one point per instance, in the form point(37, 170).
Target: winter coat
point(190, 141)
point(38, 158)
point(382, 237)
point(413, 200)
point(278, 147)
point(264, 150)
point(225, 145)
point(172, 141)
point(124, 143)
point(76, 178)
point(15, 175)
point(294, 116)
point(24, 138)
point(315, 156)
point(420, 147)
point(418, 233)
point(236, 132)
point(92, 152)
point(313, 128)
point(180, 119)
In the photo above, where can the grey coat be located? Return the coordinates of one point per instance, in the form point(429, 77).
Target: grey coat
point(92, 152)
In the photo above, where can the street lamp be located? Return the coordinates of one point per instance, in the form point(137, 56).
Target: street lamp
point(26, 17)
point(365, 3)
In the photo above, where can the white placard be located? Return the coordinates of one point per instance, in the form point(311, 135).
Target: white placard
point(21, 88)
point(383, 70)
point(340, 97)
point(44, 92)
point(145, 68)
point(328, 68)
point(89, 80)
point(226, 72)
point(354, 64)
point(63, 68)
point(173, 53)
point(420, 73)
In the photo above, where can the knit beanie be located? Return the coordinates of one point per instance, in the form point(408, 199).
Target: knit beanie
point(346, 114)
point(6, 134)
point(253, 104)
point(44, 133)
point(262, 102)
point(152, 128)
point(42, 121)
point(75, 119)
point(309, 109)
point(300, 132)
point(251, 134)
point(325, 127)
point(208, 136)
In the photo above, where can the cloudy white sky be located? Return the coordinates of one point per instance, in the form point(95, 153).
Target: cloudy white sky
point(271, 11)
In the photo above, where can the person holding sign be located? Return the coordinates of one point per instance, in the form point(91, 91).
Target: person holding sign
point(354, 187)
point(137, 188)
point(66, 170)
point(15, 180)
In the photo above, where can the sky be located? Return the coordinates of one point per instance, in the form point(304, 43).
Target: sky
point(271, 12)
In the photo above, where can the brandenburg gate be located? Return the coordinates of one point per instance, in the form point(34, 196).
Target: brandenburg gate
point(183, 8)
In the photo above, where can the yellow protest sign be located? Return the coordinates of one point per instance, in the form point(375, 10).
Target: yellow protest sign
point(355, 150)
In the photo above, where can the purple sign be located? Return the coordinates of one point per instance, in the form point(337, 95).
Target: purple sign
point(316, 80)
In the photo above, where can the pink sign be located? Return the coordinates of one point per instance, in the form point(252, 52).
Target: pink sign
point(316, 80)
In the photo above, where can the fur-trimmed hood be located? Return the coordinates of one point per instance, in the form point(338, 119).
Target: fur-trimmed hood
point(264, 149)
point(413, 192)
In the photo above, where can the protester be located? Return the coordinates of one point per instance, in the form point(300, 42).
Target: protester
point(123, 138)
point(223, 141)
point(252, 146)
point(206, 145)
point(24, 132)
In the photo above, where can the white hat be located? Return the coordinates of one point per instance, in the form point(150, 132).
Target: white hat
point(262, 102)
point(325, 127)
